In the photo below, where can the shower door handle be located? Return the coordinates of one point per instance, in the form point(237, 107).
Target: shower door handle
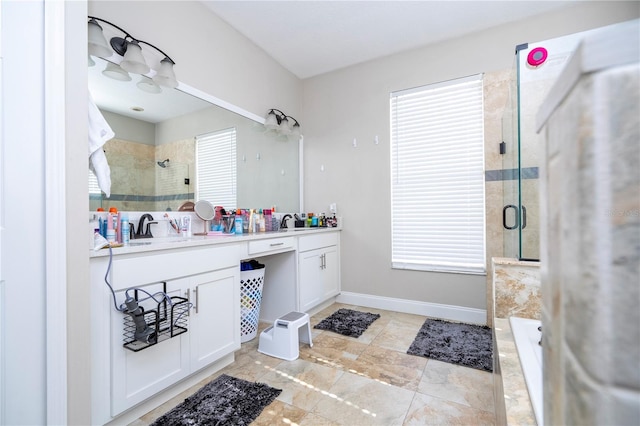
point(504, 216)
point(524, 217)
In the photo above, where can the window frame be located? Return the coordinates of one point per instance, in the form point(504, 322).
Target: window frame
point(421, 175)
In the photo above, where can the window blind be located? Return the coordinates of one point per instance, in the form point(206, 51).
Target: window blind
point(94, 188)
point(437, 171)
point(216, 168)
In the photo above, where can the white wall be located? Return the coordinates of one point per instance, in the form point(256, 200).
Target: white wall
point(354, 103)
point(23, 254)
point(76, 204)
point(130, 129)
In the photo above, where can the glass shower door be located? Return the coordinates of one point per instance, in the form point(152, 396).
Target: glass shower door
point(509, 152)
point(532, 87)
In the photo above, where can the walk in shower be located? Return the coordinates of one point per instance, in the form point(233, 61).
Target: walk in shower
point(536, 67)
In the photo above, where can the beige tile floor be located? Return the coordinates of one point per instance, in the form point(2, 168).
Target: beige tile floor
point(370, 380)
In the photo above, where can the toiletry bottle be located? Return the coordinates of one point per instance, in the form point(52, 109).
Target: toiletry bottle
point(111, 233)
point(124, 228)
point(102, 226)
point(119, 228)
point(245, 222)
point(239, 226)
point(185, 226)
point(267, 220)
point(261, 222)
point(94, 227)
point(113, 214)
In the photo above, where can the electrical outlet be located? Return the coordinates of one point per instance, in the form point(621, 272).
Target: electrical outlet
point(332, 208)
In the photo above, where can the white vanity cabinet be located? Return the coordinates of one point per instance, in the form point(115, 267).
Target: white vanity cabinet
point(318, 269)
point(214, 320)
point(207, 277)
point(136, 376)
point(302, 272)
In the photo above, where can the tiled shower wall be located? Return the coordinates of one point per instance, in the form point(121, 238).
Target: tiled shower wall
point(496, 95)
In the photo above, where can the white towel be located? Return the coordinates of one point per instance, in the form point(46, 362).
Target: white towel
point(99, 133)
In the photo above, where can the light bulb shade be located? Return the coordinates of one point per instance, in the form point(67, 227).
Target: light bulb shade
point(147, 85)
point(115, 72)
point(285, 127)
point(97, 43)
point(165, 75)
point(133, 60)
point(271, 121)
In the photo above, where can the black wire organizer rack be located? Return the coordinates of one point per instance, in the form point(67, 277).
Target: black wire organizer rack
point(167, 319)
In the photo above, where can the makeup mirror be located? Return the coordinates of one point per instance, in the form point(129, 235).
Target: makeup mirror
point(205, 211)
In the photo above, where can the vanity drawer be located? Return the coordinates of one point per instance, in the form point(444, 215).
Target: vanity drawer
point(146, 268)
point(312, 242)
point(271, 244)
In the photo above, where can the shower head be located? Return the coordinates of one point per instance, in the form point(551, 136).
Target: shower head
point(163, 164)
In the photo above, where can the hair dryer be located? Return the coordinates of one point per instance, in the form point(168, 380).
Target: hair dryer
point(143, 332)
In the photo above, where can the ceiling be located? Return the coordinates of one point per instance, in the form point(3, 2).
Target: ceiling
point(314, 37)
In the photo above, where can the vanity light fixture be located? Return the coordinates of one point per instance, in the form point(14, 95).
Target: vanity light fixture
point(131, 51)
point(278, 121)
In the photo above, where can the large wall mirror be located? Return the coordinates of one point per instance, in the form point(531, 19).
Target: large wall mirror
point(153, 127)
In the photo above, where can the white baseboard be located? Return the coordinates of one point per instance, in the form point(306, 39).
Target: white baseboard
point(436, 310)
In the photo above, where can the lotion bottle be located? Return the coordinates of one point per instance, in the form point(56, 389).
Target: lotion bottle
point(124, 228)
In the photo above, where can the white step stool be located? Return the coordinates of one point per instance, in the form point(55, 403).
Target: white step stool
point(282, 338)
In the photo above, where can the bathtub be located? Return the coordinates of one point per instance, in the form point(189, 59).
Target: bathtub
point(526, 336)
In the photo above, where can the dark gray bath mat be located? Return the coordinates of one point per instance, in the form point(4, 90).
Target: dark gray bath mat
point(224, 401)
point(348, 322)
point(464, 344)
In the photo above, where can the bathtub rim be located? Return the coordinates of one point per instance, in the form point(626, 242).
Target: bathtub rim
point(529, 363)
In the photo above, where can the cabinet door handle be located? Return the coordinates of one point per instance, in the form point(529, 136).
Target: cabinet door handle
point(195, 290)
point(321, 262)
point(187, 295)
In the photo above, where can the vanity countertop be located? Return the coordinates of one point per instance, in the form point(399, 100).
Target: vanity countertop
point(175, 242)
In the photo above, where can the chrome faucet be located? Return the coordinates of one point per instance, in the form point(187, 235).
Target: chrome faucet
point(147, 232)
